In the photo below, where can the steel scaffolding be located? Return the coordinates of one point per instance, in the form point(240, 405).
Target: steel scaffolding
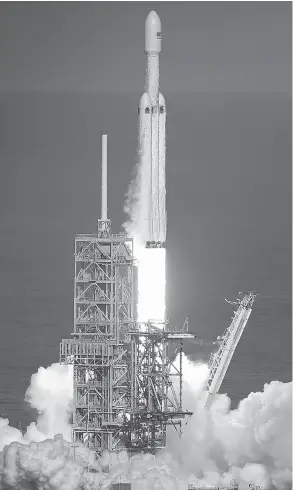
point(127, 376)
point(123, 394)
point(220, 360)
point(103, 310)
point(156, 397)
point(123, 372)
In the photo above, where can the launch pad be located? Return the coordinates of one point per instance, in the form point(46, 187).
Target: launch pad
point(127, 388)
point(127, 375)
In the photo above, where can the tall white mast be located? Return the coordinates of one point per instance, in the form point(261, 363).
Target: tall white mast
point(104, 177)
point(104, 224)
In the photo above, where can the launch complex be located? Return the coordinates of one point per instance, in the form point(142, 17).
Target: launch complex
point(123, 370)
point(127, 373)
point(127, 385)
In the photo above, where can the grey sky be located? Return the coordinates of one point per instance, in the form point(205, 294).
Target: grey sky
point(98, 46)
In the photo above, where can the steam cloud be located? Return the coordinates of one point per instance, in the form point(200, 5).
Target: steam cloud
point(251, 444)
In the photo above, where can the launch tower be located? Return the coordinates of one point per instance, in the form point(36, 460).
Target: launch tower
point(123, 372)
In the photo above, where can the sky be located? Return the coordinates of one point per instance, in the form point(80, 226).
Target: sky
point(98, 46)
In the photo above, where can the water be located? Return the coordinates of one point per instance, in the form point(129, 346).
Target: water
point(229, 222)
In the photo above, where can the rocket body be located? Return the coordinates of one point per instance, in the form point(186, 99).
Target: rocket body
point(152, 120)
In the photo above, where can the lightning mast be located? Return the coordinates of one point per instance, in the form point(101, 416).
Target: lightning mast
point(220, 360)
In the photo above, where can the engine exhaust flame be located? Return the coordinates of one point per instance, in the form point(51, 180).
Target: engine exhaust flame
point(151, 284)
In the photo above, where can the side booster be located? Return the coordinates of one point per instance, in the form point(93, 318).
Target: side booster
point(152, 136)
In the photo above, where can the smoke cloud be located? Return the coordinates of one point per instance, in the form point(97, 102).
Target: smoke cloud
point(251, 444)
point(50, 393)
point(136, 206)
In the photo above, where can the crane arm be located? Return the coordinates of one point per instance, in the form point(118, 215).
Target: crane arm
point(220, 360)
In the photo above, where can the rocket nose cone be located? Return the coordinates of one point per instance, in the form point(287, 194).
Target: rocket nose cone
point(162, 100)
point(153, 21)
point(145, 101)
point(153, 34)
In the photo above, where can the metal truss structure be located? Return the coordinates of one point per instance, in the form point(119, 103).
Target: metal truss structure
point(128, 376)
point(220, 360)
point(156, 384)
point(103, 308)
point(124, 395)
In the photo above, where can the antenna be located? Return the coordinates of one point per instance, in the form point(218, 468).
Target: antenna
point(104, 224)
point(104, 177)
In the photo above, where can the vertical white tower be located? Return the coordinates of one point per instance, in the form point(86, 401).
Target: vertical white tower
point(104, 224)
point(104, 178)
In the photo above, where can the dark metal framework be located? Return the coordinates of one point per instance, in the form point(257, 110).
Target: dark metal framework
point(156, 384)
point(103, 309)
point(127, 386)
point(220, 360)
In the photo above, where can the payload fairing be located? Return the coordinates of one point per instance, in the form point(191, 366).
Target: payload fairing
point(152, 121)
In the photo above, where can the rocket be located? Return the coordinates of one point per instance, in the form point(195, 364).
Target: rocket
point(152, 154)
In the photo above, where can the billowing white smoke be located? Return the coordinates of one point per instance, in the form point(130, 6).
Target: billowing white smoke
point(251, 444)
point(50, 392)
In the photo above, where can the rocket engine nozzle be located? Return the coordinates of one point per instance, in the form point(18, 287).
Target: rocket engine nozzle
point(155, 244)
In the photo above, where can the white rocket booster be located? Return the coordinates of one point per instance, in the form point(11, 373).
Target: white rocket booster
point(152, 120)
